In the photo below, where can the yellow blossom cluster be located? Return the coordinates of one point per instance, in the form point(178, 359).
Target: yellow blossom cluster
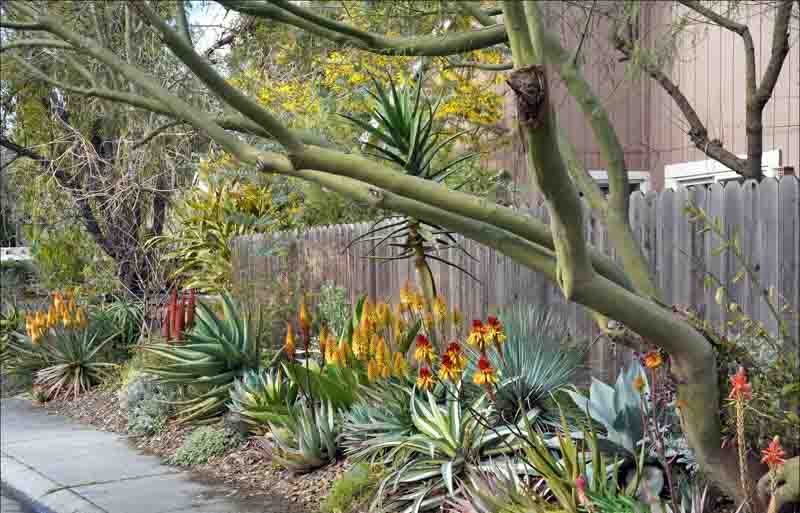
point(62, 311)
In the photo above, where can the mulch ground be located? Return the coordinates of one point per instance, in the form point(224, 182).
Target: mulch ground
point(245, 468)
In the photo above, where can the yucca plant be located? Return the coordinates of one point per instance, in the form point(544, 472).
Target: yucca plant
point(539, 360)
point(308, 441)
point(403, 131)
point(217, 351)
point(448, 442)
point(73, 361)
point(261, 397)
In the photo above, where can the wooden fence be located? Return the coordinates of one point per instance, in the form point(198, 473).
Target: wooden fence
point(766, 217)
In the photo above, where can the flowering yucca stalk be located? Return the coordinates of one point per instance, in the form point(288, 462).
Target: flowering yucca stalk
point(740, 393)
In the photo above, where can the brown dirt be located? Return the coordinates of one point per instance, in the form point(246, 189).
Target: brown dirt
point(244, 468)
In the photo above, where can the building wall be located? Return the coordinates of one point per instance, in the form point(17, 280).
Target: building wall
point(711, 74)
point(709, 70)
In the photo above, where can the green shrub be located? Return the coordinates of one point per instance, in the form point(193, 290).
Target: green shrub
point(352, 488)
point(333, 307)
point(204, 443)
point(150, 416)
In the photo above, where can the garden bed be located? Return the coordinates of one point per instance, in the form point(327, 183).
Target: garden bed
point(244, 468)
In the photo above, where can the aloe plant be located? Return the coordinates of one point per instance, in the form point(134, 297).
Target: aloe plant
point(308, 441)
point(262, 397)
point(71, 361)
point(216, 352)
point(403, 131)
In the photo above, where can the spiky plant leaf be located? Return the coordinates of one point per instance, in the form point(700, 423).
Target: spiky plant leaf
point(216, 352)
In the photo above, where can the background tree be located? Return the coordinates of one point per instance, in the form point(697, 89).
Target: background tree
point(560, 251)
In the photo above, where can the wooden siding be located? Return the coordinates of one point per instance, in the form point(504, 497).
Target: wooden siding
point(709, 70)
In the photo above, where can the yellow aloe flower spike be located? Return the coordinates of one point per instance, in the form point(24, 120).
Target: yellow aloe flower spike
point(290, 345)
point(373, 371)
point(344, 353)
point(440, 308)
point(399, 365)
point(381, 351)
point(51, 316)
point(303, 318)
point(386, 372)
point(80, 318)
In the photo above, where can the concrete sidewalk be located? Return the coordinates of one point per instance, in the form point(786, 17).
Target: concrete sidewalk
point(63, 467)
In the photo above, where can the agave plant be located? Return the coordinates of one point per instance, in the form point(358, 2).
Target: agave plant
point(376, 424)
point(308, 441)
point(262, 397)
point(73, 361)
point(448, 443)
point(403, 131)
point(217, 351)
point(499, 490)
point(617, 408)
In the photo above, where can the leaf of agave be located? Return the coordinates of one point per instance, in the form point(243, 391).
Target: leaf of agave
point(420, 417)
point(447, 474)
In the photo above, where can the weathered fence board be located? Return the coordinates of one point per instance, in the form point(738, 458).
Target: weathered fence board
point(766, 217)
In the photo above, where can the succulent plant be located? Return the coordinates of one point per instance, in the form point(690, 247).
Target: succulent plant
point(617, 408)
point(448, 442)
point(261, 397)
point(309, 439)
point(217, 351)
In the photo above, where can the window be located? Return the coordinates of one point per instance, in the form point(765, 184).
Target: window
point(706, 172)
point(638, 180)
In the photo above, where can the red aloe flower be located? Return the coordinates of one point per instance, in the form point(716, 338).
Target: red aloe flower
point(774, 453)
point(740, 388)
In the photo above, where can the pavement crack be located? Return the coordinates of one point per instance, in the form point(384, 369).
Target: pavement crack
point(95, 483)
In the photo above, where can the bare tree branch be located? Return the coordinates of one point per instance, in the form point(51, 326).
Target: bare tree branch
point(698, 132)
point(434, 45)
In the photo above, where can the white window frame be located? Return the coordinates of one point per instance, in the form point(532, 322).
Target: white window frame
point(705, 172)
point(642, 178)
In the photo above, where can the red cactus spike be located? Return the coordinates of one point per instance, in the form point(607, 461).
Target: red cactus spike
point(179, 321)
point(190, 310)
point(166, 324)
